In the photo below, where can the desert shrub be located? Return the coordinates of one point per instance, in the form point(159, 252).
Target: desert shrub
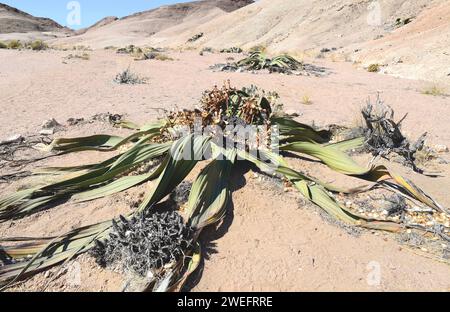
point(206, 50)
point(83, 56)
point(128, 77)
point(383, 135)
point(15, 45)
point(231, 50)
point(196, 37)
point(373, 68)
point(434, 91)
point(38, 45)
point(402, 22)
point(3, 45)
point(259, 60)
point(131, 50)
point(163, 57)
point(81, 48)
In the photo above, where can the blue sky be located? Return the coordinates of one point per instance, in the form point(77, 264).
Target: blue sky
point(90, 10)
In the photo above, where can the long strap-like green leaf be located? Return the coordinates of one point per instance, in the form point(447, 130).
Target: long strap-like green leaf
point(337, 160)
point(182, 158)
point(210, 192)
point(101, 142)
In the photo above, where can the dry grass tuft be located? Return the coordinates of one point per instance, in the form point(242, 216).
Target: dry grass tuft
point(128, 77)
point(434, 91)
point(306, 100)
point(163, 57)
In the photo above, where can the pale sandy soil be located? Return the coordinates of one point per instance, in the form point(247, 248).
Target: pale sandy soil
point(271, 240)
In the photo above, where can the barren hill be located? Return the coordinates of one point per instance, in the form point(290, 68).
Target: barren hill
point(13, 20)
point(417, 50)
point(16, 24)
point(378, 31)
point(101, 23)
point(139, 27)
point(307, 24)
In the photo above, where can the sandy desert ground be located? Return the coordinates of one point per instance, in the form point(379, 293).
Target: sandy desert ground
point(271, 239)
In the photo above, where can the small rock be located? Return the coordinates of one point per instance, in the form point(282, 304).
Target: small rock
point(50, 124)
point(421, 209)
point(12, 139)
point(47, 132)
point(440, 148)
point(348, 204)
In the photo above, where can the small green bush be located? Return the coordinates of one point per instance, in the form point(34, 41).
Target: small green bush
point(15, 45)
point(3, 45)
point(373, 68)
point(196, 37)
point(38, 45)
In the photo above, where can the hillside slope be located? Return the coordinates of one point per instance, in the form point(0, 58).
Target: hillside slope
point(374, 29)
point(306, 24)
point(101, 23)
point(418, 50)
point(13, 20)
point(16, 24)
point(140, 27)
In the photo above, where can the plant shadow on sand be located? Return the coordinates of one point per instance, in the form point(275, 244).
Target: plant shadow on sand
point(213, 232)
